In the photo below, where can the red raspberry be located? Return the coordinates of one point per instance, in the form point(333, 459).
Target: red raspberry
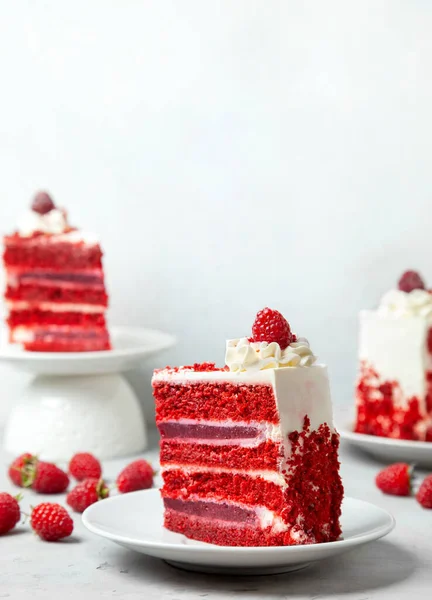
point(49, 479)
point(271, 326)
point(138, 475)
point(42, 203)
point(424, 494)
point(85, 493)
point(410, 281)
point(9, 512)
point(21, 468)
point(395, 480)
point(84, 465)
point(51, 521)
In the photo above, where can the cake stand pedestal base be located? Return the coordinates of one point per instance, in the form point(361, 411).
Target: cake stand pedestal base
point(59, 415)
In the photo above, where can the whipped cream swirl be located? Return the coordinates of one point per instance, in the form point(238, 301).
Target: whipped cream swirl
point(406, 304)
point(54, 222)
point(243, 355)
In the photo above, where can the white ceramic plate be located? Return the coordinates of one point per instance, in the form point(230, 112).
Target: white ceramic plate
point(135, 521)
point(387, 449)
point(130, 346)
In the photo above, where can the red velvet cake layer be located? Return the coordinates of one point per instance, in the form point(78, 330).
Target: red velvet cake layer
point(180, 484)
point(36, 318)
point(40, 252)
point(380, 412)
point(35, 294)
point(266, 455)
point(211, 532)
point(211, 401)
point(80, 287)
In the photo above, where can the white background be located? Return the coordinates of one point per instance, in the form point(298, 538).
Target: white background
point(231, 154)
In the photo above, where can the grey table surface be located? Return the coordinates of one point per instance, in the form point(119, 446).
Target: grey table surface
point(86, 566)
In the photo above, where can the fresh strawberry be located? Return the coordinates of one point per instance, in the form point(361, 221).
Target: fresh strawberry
point(87, 492)
point(84, 465)
point(48, 479)
point(395, 480)
point(21, 468)
point(424, 494)
point(9, 512)
point(138, 475)
point(271, 326)
point(51, 521)
point(410, 281)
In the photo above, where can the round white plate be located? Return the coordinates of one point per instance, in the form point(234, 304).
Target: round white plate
point(130, 346)
point(136, 521)
point(386, 449)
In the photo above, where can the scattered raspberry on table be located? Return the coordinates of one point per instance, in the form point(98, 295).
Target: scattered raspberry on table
point(395, 480)
point(40, 476)
point(84, 465)
point(138, 475)
point(51, 521)
point(9, 512)
point(424, 494)
point(21, 468)
point(87, 492)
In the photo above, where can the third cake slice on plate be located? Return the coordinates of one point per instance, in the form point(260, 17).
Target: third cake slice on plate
point(394, 386)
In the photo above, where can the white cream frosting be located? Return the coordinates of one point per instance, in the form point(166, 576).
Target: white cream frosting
point(417, 303)
point(242, 355)
point(54, 222)
point(396, 348)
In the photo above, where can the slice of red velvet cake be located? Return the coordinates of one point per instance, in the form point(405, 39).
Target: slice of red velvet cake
point(55, 289)
point(248, 453)
point(394, 385)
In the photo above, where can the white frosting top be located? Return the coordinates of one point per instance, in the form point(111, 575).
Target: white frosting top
point(242, 355)
point(54, 222)
point(396, 348)
point(417, 303)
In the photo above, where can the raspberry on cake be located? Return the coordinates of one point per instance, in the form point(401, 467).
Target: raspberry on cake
point(55, 289)
point(249, 454)
point(394, 386)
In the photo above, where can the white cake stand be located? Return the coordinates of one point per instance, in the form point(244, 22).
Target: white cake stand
point(80, 401)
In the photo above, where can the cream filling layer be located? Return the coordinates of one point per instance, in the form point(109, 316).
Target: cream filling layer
point(55, 306)
point(23, 334)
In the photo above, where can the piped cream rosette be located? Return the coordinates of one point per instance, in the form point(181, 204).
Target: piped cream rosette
point(243, 355)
